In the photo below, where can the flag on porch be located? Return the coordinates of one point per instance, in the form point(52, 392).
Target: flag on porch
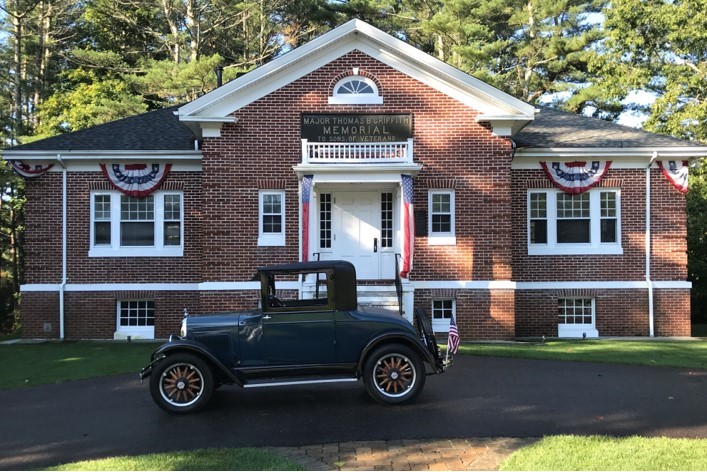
point(408, 226)
point(306, 194)
point(453, 340)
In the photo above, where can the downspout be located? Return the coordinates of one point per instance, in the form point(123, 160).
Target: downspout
point(651, 323)
point(62, 286)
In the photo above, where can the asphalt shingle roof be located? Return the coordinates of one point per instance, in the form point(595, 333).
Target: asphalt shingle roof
point(560, 129)
point(161, 130)
point(158, 130)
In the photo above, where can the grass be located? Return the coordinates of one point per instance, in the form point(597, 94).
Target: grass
point(26, 365)
point(688, 354)
point(607, 453)
point(10, 337)
point(201, 459)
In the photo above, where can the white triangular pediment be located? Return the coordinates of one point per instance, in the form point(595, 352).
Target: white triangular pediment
point(505, 112)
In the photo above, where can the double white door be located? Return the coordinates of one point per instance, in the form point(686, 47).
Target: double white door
point(362, 232)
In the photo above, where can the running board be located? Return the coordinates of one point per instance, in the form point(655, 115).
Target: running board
point(299, 382)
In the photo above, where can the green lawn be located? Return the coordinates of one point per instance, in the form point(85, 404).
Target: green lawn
point(25, 365)
point(689, 354)
point(201, 459)
point(607, 453)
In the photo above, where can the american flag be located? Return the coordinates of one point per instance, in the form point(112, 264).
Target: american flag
point(306, 194)
point(453, 341)
point(408, 226)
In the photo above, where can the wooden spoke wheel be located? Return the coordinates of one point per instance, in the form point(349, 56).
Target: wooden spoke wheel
point(394, 374)
point(181, 383)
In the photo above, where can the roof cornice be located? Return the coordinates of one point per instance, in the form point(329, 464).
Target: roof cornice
point(678, 152)
point(93, 155)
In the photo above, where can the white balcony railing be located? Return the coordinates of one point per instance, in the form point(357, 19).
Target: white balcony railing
point(363, 153)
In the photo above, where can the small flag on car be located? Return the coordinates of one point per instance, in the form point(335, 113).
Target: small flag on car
point(453, 341)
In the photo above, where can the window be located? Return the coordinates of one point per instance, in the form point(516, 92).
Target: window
point(128, 226)
point(576, 318)
point(136, 318)
point(356, 89)
point(272, 218)
point(441, 217)
point(325, 221)
point(442, 312)
point(386, 220)
point(586, 223)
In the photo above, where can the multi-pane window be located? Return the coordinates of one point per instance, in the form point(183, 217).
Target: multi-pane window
point(356, 90)
point(442, 312)
point(137, 221)
point(441, 217)
point(386, 219)
point(575, 311)
point(562, 223)
point(325, 221)
point(442, 309)
point(101, 220)
point(441, 213)
point(128, 226)
point(538, 218)
point(172, 220)
point(271, 231)
point(609, 217)
point(136, 313)
point(272, 213)
point(573, 219)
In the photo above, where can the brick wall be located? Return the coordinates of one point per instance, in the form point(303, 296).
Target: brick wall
point(450, 145)
point(259, 151)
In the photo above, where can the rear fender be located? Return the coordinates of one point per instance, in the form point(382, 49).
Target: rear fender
point(192, 347)
point(398, 338)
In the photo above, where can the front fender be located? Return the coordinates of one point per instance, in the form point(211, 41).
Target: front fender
point(399, 337)
point(192, 347)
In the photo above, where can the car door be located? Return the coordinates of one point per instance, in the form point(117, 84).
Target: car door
point(298, 337)
point(299, 331)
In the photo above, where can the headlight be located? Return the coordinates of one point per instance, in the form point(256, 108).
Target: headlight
point(183, 329)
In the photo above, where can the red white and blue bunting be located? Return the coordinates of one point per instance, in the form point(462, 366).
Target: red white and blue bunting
point(677, 173)
point(136, 180)
point(575, 177)
point(30, 171)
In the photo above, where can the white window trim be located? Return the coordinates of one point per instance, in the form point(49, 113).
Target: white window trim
point(135, 332)
point(565, 330)
point(552, 247)
point(115, 249)
point(441, 239)
point(356, 99)
point(271, 239)
point(442, 326)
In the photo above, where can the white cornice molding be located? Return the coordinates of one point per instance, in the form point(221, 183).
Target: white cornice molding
point(678, 152)
point(426, 284)
point(103, 155)
point(357, 172)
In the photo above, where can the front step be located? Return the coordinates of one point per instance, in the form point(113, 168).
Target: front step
point(378, 296)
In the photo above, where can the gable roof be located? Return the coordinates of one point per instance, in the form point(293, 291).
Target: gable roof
point(357, 35)
point(560, 129)
point(158, 130)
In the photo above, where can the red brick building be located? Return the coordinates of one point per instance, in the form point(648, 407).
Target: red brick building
point(517, 221)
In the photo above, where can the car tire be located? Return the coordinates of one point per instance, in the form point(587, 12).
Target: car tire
point(181, 383)
point(394, 374)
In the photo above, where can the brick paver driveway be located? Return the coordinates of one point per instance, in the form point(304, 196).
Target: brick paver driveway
point(477, 398)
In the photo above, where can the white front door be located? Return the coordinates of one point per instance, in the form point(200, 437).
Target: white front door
point(356, 231)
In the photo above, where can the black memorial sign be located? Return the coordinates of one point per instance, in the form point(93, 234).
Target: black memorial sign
point(347, 128)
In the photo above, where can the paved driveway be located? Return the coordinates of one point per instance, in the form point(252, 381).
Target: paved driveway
point(478, 397)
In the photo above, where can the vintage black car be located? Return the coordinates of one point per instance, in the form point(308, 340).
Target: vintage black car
point(324, 337)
